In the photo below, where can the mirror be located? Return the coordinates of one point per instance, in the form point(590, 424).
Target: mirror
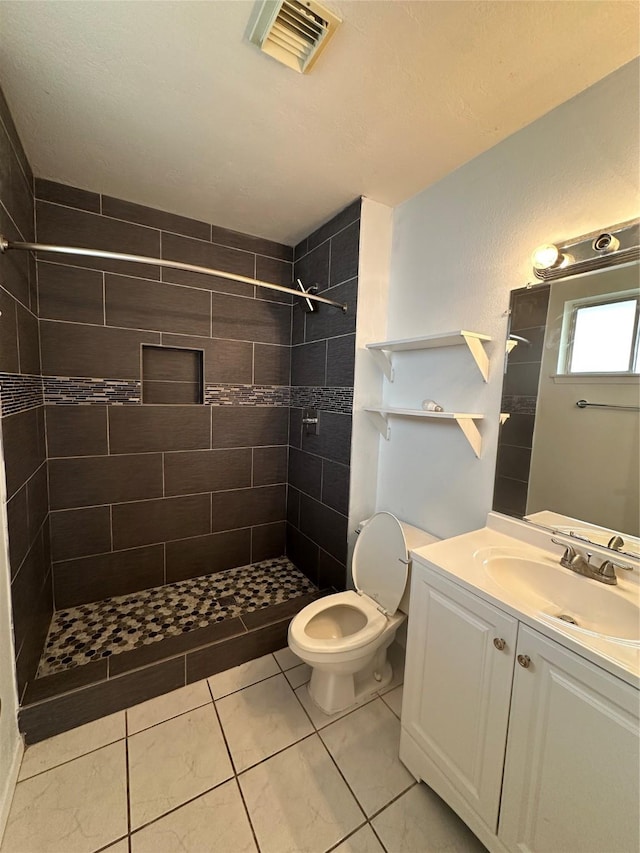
point(568, 452)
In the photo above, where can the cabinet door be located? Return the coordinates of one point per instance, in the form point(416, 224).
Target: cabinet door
point(457, 687)
point(572, 766)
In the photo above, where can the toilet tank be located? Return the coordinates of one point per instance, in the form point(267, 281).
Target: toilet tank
point(415, 538)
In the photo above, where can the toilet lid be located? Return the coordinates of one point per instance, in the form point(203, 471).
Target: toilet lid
point(380, 561)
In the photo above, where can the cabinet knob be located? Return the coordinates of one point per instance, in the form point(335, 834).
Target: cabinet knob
point(524, 661)
point(499, 643)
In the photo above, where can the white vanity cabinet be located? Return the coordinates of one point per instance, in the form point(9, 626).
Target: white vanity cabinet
point(572, 770)
point(486, 694)
point(455, 704)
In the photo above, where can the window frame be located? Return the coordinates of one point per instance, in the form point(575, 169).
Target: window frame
point(633, 365)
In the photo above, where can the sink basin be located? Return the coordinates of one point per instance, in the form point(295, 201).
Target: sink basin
point(571, 601)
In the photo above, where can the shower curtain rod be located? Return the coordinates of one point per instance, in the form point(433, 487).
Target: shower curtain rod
point(5, 245)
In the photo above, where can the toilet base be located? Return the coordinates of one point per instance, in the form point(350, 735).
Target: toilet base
point(333, 692)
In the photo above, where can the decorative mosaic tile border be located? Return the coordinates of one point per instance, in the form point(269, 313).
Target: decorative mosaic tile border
point(327, 399)
point(518, 405)
point(25, 392)
point(103, 628)
point(19, 392)
point(247, 395)
point(73, 390)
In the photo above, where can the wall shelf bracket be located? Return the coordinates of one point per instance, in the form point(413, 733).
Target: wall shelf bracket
point(478, 353)
point(383, 359)
point(471, 433)
point(381, 422)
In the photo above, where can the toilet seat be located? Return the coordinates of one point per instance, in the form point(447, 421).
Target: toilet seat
point(375, 625)
point(381, 561)
point(380, 567)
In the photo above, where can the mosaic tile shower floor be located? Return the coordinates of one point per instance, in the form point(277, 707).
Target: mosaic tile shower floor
point(103, 628)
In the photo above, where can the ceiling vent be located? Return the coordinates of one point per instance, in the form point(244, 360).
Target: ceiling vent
point(294, 33)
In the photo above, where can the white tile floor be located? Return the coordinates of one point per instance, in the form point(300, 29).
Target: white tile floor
point(242, 762)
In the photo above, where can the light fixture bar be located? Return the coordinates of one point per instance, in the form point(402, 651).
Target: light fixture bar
point(597, 250)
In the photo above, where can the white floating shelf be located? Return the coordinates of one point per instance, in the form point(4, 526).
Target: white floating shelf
point(473, 340)
point(465, 420)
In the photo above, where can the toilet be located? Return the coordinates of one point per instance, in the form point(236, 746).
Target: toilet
point(344, 637)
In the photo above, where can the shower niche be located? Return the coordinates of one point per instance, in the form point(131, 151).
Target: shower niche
point(172, 376)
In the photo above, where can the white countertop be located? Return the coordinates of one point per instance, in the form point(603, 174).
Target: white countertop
point(460, 559)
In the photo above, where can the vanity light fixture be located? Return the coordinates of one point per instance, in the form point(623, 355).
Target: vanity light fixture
point(597, 250)
point(547, 256)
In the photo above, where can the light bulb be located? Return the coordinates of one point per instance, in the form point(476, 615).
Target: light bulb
point(545, 257)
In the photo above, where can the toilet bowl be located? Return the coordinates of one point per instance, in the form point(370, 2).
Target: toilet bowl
point(344, 637)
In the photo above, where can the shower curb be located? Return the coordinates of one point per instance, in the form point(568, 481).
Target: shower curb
point(58, 702)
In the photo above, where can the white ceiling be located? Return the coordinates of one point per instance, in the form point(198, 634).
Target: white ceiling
point(168, 104)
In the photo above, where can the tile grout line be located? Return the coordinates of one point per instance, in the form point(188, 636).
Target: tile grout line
point(368, 818)
point(19, 157)
point(188, 802)
point(247, 812)
point(347, 837)
point(19, 230)
point(334, 234)
point(316, 732)
point(413, 784)
point(173, 716)
point(377, 836)
point(170, 498)
point(194, 450)
point(342, 776)
point(279, 752)
point(33, 545)
point(233, 766)
point(75, 757)
point(128, 777)
point(158, 331)
point(110, 844)
point(239, 689)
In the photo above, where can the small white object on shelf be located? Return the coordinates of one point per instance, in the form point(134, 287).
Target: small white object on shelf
point(474, 341)
point(465, 420)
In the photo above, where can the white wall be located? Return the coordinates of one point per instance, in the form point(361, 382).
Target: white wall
point(459, 247)
point(10, 741)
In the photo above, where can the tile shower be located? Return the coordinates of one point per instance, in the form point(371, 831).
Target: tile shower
point(165, 407)
point(519, 400)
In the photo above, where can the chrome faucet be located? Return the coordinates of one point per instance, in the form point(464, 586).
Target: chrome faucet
point(581, 564)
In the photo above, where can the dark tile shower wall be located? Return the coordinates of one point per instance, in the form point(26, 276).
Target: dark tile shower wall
point(322, 361)
point(22, 411)
point(519, 399)
point(147, 494)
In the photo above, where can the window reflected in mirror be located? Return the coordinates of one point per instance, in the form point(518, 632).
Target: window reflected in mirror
point(575, 340)
point(600, 335)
